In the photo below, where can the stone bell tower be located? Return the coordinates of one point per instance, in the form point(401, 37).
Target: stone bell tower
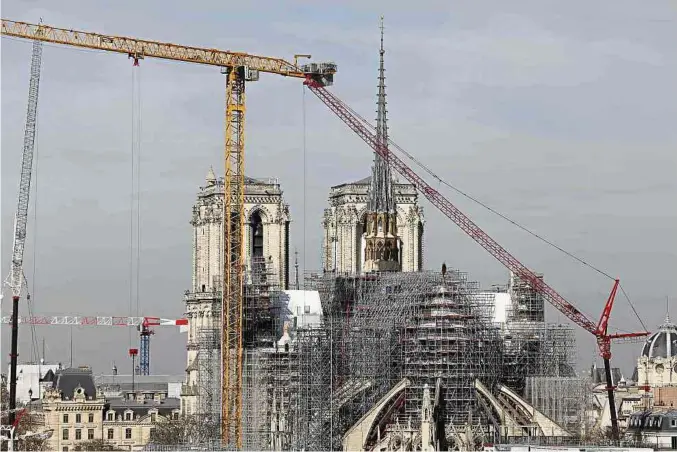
point(381, 252)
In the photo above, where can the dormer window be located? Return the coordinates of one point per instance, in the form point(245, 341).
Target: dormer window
point(128, 416)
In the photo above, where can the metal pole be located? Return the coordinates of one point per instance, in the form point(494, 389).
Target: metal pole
point(14, 353)
point(612, 402)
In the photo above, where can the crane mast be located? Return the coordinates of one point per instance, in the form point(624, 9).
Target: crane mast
point(16, 276)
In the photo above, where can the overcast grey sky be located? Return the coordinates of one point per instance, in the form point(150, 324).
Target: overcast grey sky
point(560, 114)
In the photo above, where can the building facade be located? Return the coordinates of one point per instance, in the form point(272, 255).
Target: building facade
point(344, 227)
point(266, 237)
point(266, 231)
point(657, 366)
point(77, 412)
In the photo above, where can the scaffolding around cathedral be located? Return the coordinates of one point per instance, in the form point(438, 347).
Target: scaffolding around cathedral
point(533, 349)
point(209, 380)
point(388, 326)
point(306, 383)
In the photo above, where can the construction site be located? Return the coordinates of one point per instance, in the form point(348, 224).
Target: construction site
point(361, 355)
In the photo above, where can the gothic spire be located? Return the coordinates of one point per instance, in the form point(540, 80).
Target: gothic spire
point(381, 191)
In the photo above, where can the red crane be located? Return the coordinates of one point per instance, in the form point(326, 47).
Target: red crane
point(600, 329)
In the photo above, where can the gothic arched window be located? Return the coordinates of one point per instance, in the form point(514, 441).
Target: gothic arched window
point(256, 225)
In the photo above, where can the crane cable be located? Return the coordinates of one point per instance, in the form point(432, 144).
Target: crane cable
point(135, 200)
point(132, 199)
point(138, 186)
point(305, 171)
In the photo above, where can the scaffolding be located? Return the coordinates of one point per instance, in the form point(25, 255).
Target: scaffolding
point(562, 399)
point(209, 381)
point(527, 303)
point(263, 326)
point(387, 326)
point(536, 349)
point(305, 384)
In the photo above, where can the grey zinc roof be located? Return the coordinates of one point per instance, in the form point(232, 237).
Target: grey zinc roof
point(367, 181)
point(67, 380)
point(663, 343)
point(163, 406)
point(138, 379)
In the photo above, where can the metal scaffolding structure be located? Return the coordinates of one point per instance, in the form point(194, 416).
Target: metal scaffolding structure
point(536, 349)
point(386, 326)
point(306, 383)
point(562, 399)
point(209, 380)
point(263, 326)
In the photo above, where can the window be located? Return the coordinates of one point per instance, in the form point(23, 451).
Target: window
point(65, 448)
point(257, 235)
point(110, 433)
point(673, 422)
point(111, 416)
point(90, 433)
point(153, 417)
point(78, 418)
point(78, 433)
point(65, 419)
point(176, 416)
point(128, 433)
point(128, 416)
point(64, 434)
point(91, 417)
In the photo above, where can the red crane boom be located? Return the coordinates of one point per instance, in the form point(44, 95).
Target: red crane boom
point(366, 132)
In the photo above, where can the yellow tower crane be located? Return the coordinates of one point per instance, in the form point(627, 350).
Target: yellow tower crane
point(238, 67)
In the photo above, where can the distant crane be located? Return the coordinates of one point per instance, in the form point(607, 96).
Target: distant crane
point(600, 329)
point(16, 277)
point(143, 325)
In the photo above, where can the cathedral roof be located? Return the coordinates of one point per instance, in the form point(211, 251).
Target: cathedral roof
point(211, 179)
point(365, 181)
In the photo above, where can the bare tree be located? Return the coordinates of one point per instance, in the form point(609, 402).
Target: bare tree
point(190, 429)
point(96, 444)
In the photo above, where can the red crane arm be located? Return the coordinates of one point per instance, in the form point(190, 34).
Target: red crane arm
point(446, 207)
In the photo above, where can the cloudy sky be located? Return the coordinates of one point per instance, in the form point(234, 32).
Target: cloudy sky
point(559, 114)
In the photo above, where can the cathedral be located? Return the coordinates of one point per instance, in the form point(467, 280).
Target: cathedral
point(374, 224)
point(266, 235)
